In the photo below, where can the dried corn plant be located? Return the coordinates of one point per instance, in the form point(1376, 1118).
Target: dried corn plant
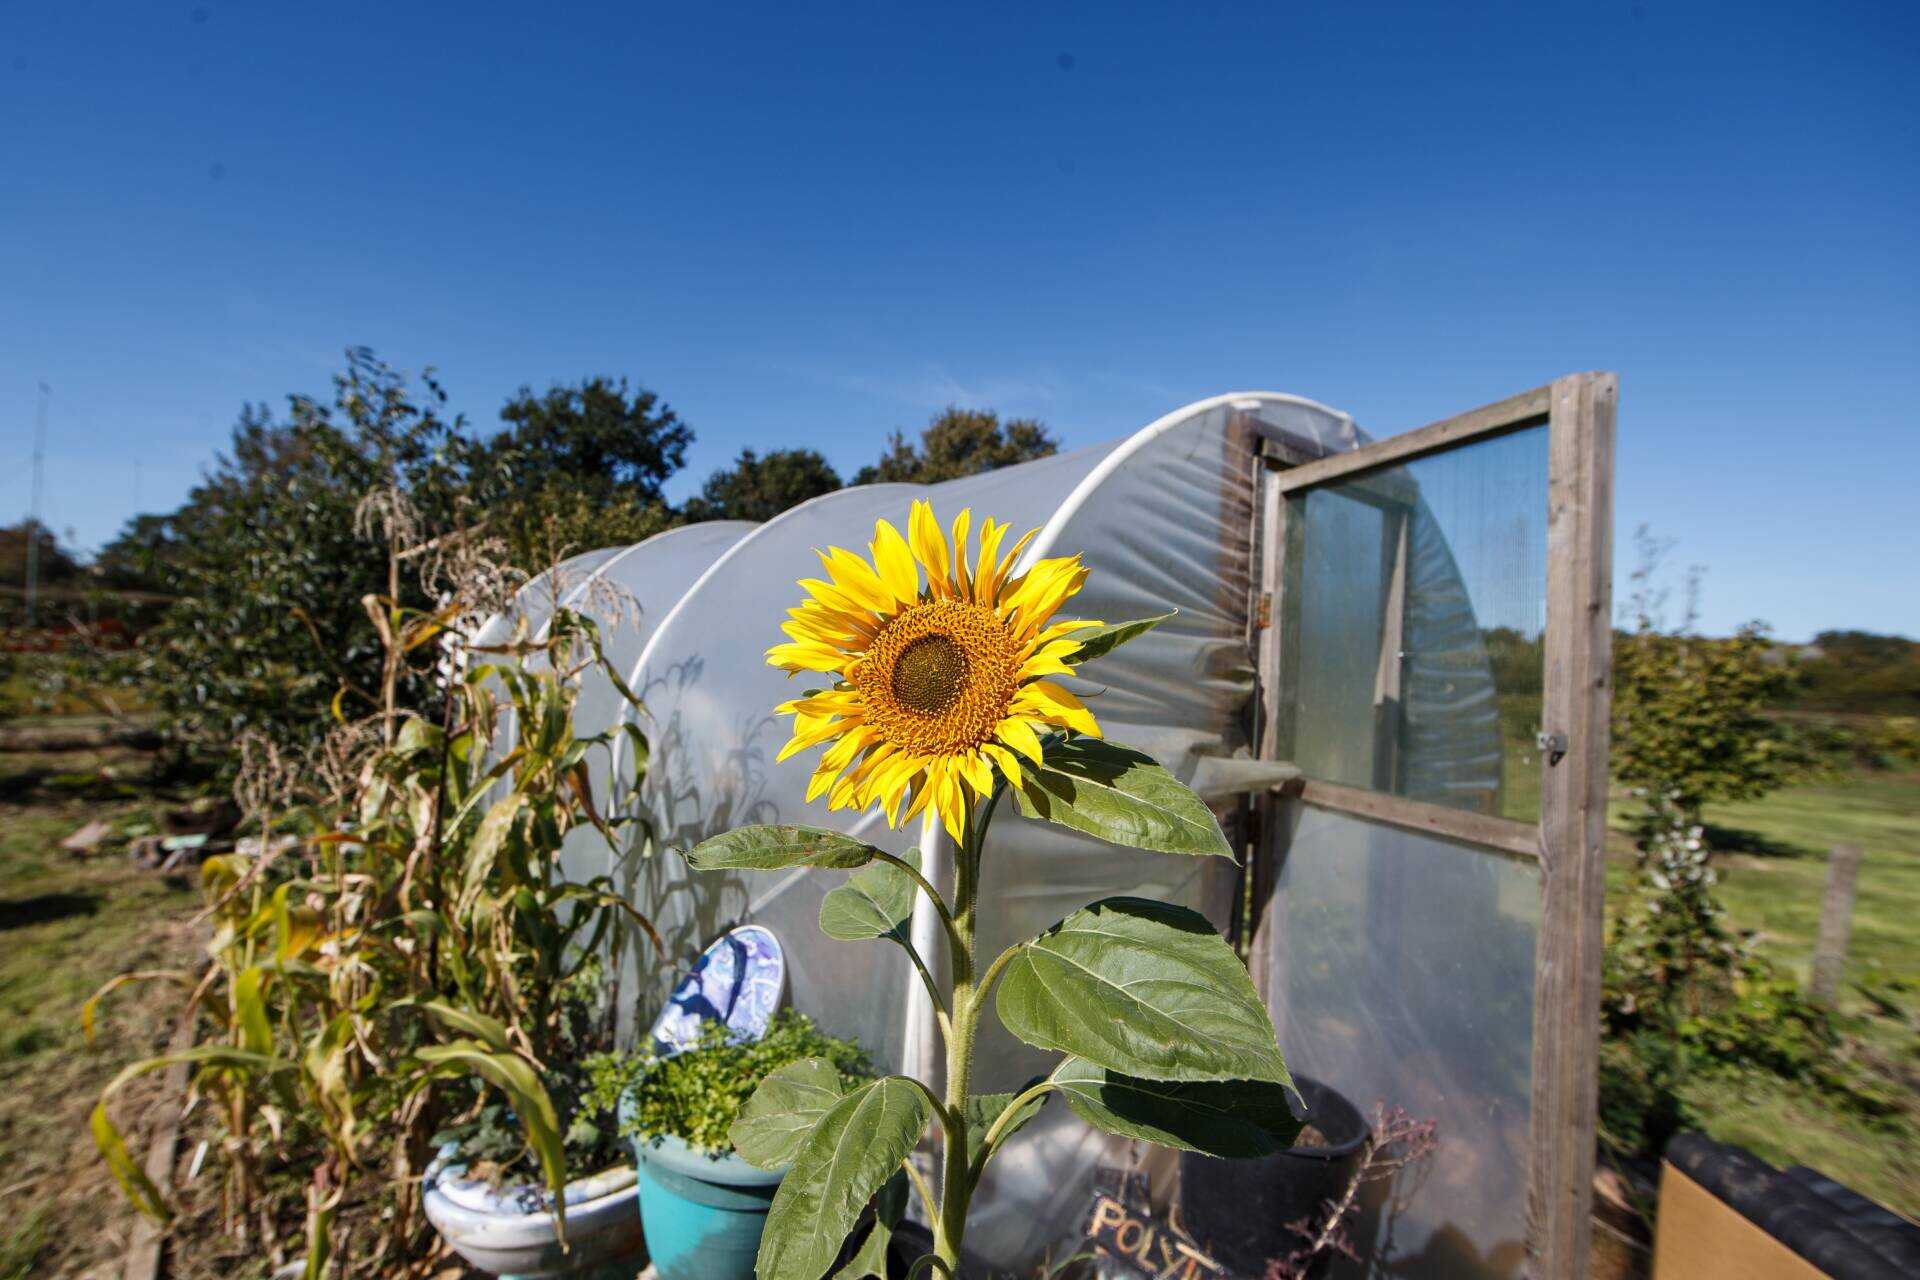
point(402, 938)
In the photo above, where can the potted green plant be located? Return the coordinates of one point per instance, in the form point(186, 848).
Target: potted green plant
point(703, 1205)
point(486, 1191)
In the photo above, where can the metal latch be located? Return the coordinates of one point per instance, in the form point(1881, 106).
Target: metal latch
point(1552, 745)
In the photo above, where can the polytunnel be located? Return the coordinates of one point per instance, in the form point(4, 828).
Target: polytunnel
point(1377, 626)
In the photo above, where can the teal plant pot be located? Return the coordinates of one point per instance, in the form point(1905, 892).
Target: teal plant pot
point(703, 1214)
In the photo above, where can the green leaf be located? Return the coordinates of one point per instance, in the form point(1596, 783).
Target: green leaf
point(488, 840)
point(1097, 642)
point(490, 1031)
point(854, 1148)
point(875, 903)
point(1240, 1118)
point(132, 1178)
point(870, 1262)
point(256, 1033)
point(983, 1109)
point(1143, 988)
point(776, 1120)
point(515, 1077)
point(766, 848)
point(113, 1148)
point(1118, 795)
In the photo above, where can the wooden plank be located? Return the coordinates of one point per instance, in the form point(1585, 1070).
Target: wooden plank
point(1503, 834)
point(1698, 1234)
point(143, 1247)
point(1525, 409)
point(1836, 923)
point(1573, 811)
point(1275, 648)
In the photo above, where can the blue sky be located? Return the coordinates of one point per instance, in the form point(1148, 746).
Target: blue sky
point(806, 225)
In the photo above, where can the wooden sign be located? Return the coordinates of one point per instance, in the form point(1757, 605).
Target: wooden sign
point(1127, 1240)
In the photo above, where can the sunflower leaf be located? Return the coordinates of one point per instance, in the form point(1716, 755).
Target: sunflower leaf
point(889, 1206)
point(774, 1123)
point(769, 848)
point(983, 1109)
point(1142, 988)
point(849, 1155)
point(1234, 1118)
point(1119, 795)
point(1098, 642)
point(875, 903)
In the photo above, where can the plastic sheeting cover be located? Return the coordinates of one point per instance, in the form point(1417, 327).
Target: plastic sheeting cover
point(1163, 519)
point(1410, 958)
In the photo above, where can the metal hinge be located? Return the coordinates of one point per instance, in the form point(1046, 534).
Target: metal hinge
point(1264, 618)
point(1552, 745)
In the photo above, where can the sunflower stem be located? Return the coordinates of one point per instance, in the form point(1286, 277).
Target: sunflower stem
point(956, 1183)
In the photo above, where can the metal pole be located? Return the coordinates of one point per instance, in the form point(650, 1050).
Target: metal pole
point(33, 514)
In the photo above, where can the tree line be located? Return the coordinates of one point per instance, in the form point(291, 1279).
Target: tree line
point(267, 566)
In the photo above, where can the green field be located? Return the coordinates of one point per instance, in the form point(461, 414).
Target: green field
point(1772, 855)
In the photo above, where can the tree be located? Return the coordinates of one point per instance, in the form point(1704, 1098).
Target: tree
point(595, 433)
point(269, 569)
point(542, 524)
point(1861, 672)
point(55, 564)
point(760, 488)
point(142, 555)
point(960, 442)
point(578, 467)
point(1689, 711)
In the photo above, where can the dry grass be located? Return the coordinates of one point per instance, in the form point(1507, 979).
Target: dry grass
point(66, 925)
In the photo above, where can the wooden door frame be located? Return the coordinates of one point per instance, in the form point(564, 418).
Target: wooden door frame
point(1569, 839)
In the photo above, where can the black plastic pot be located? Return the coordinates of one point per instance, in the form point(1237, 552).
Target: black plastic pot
point(1239, 1210)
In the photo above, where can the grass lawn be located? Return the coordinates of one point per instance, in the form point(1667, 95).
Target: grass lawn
point(66, 925)
point(1772, 854)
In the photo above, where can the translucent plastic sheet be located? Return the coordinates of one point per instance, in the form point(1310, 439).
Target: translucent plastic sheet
point(1165, 525)
point(1418, 596)
point(1404, 974)
point(630, 593)
point(1163, 519)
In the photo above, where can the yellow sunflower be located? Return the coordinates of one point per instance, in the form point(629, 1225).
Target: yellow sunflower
point(938, 685)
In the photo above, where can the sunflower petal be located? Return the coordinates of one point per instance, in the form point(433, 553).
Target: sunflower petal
point(951, 800)
point(1007, 561)
point(894, 561)
point(805, 657)
point(930, 548)
point(961, 586)
point(991, 531)
point(1019, 735)
point(1058, 705)
point(1009, 763)
point(856, 577)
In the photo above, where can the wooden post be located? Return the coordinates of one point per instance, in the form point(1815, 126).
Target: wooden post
point(1573, 817)
point(144, 1246)
point(1836, 922)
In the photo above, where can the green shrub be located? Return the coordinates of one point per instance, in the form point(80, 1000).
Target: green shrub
point(1685, 1001)
point(695, 1095)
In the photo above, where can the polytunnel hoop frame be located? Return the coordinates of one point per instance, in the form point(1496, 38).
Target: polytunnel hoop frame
point(1568, 841)
point(1231, 481)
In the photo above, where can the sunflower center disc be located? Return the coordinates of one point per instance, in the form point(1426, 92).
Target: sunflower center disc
point(930, 674)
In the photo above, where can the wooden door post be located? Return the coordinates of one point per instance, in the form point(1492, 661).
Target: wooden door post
point(1836, 922)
